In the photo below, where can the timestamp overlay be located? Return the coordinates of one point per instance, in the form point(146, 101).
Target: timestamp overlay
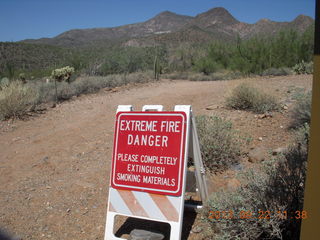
point(260, 214)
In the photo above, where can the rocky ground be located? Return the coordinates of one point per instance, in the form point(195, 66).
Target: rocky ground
point(54, 167)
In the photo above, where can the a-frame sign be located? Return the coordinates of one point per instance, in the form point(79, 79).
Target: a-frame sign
point(149, 165)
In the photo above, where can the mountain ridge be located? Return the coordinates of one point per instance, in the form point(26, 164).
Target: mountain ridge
point(218, 23)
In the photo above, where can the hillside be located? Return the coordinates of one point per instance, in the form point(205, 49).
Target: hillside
point(217, 21)
point(104, 50)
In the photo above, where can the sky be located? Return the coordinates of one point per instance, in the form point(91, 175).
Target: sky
point(25, 19)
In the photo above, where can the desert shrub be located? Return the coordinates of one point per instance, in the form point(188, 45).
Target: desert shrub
point(303, 68)
point(206, 66)
point(22, 77)
point(278, 185)
point(16, 99)
point(46, 92)
point(219, 143)
point(277, 72)
point(176, 75)
point(85, 85)
point(287, 182)
point(4, 82)
point(301, 113)
point(241, 204)
point(246, 97)
point(194, 76)
point(219, 75)
point(62, 74)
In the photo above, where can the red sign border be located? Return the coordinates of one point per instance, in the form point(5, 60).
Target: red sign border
point(178, 192)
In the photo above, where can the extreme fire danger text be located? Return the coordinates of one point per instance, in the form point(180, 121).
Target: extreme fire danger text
point(149, 152)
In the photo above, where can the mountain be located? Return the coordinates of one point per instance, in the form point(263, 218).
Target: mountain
point(169, 27)
point(164, 22)
point(88, 48)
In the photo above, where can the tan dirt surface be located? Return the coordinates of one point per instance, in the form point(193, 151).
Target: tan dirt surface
point(54, 167)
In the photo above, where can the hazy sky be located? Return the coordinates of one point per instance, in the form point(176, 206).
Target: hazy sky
point(22, 19)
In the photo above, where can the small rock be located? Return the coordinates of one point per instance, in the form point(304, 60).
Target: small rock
point(68, 210)
point(281, 126)
point(268, 114)
point(114, 90)
point(260, 139)
point(212, 107)
point(278, 151)
point(285, 107)
point(138, 234)
point(261, 116)
point(257, 155)
point(237, 167)
point(196, 229)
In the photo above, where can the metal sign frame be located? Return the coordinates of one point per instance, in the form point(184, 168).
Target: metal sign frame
point(156, 207)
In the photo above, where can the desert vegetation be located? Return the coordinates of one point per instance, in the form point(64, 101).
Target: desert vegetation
point(34, 75)
point(280, 54)
point(16, 99)
point(269, 202)
point(288, 52)
point(220, 143)
point(246, 97)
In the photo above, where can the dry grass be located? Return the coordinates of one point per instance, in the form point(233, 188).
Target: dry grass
point(16, 100)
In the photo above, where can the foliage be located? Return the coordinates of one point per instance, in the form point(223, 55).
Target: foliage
point(254, 55)
point(131, 59)
point(219, 143)
point(4, 82)
point(301, 113)
point(277, 186)
point(246, 97)
point(206, 65)
point(32, 59)
point(22, 77)
point(84, 85)
point(62, 74)
point(194, 76)
point(258, 53)
point(16, 99)
point(303, 68)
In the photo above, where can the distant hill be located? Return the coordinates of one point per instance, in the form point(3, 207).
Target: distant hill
point(215, 24)
point(88, 48)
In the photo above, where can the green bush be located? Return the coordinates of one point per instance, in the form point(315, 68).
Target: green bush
point(194, 76)
point(62, 74)
point(4, 82)
point(303, 68)
point(84, 85)
point(301, 113)
point(16, 100)
point(246, 97)
point(277, 186)
point(206, 66)
point(219, 143)
point(287, 182)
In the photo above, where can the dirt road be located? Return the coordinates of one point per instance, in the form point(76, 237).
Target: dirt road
point(54, 167)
